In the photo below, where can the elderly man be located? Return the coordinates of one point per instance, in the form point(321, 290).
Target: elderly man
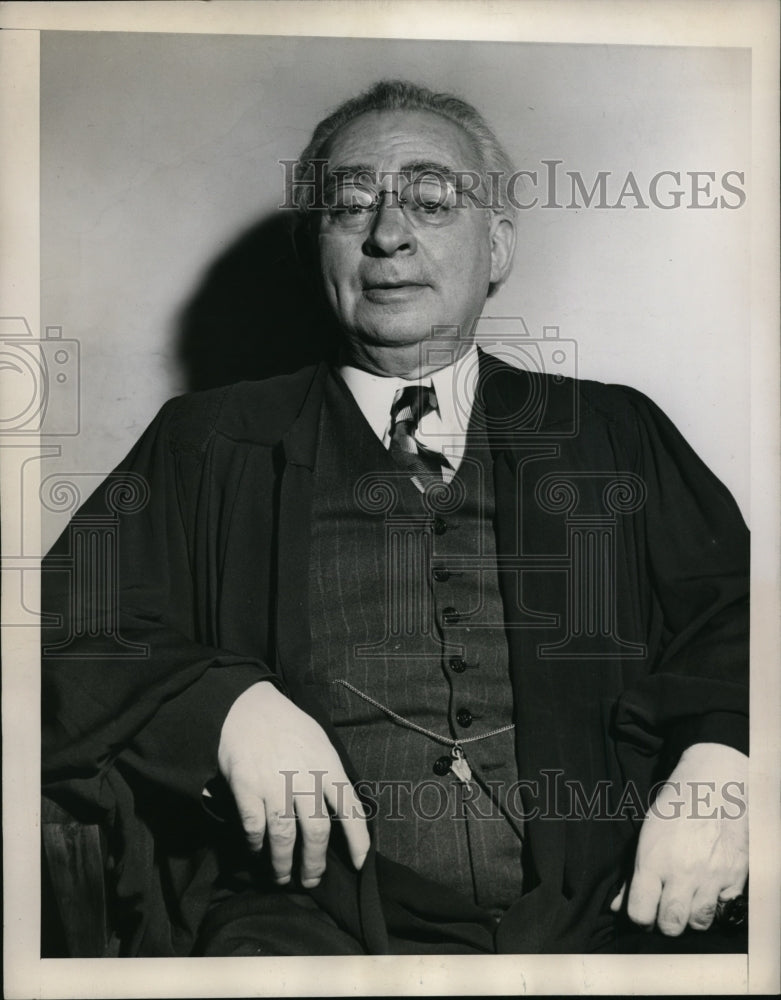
point(408, 645)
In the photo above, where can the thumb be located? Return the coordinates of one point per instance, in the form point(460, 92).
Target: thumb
point(615, 906)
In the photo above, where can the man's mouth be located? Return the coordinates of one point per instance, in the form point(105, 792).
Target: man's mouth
point(391, 291)
point(393, 284)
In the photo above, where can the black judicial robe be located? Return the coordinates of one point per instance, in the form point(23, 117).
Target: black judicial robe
point(613, 675)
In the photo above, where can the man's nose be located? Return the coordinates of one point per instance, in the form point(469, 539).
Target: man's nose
point(390, 232)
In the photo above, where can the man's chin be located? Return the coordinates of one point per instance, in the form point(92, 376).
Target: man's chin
point(396, 334)
point(403, 322)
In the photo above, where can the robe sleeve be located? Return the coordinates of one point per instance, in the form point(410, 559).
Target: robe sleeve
point(697, 557)
point(126, 678)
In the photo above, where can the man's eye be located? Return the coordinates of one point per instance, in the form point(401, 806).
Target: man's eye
point(430, 197)
point(352, 199)
point(341, 213)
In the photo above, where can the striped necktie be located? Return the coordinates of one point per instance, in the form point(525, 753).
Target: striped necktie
point(410, 406)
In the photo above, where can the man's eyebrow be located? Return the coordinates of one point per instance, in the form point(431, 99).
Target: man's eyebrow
point(426, 166)
point(349, 171)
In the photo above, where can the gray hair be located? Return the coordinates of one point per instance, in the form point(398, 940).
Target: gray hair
point(401, 95)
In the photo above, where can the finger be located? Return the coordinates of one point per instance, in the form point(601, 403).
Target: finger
point(733, 890)
point(615, 906)
point(344, 801)
point(675, 907)
point(645, 891)
point(315, 827)
point(703, 906)
point(281, 832)
point(252, 814)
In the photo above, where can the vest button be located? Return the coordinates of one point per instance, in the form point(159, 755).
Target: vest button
point(441, 765)
point(450, 616)
point(441, 575)
point(440, 526)
point(457, 665)
point(464, 717)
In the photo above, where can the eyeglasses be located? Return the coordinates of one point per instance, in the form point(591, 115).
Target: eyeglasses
point(428, 200)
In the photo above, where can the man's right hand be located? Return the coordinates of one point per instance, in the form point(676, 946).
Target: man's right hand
point(274, 757)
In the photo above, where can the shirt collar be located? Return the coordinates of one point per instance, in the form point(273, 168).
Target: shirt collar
point(453, 384)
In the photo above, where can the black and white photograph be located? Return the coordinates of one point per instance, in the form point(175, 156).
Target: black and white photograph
point(390, 498)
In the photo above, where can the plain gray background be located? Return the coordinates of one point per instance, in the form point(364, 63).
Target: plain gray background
point(159, 150)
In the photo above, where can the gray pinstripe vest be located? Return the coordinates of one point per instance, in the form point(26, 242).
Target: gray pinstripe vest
point(405, 606)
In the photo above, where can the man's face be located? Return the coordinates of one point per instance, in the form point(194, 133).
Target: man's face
point(391, 281)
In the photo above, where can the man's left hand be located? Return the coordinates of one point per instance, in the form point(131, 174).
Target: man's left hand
point(693, 846)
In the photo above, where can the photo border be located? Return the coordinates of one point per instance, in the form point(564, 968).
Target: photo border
point(737, 23)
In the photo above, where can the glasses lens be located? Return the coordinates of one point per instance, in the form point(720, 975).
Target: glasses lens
point(350, 206)
point(430, 199)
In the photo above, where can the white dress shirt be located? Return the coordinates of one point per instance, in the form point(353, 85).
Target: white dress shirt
point(444, 429)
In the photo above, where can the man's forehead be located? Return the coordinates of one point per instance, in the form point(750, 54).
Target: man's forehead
point(400, 140)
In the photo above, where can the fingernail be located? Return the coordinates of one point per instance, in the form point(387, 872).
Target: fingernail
point(282, 879)
point(310, 883)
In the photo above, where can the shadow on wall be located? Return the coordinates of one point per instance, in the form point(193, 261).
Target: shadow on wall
point(257, 313)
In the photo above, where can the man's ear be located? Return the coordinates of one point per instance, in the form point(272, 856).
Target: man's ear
point(502, 249)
